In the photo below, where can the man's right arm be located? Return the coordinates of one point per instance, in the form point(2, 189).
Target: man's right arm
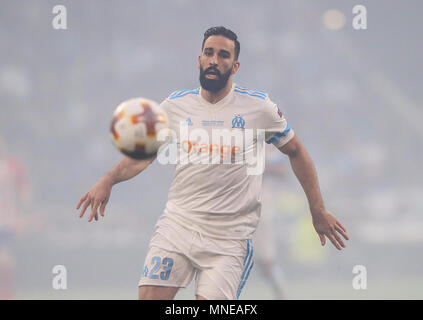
point(127, 168)
point(99, 195)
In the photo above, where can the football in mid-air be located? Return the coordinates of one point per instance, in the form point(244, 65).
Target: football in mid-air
point(136, 125)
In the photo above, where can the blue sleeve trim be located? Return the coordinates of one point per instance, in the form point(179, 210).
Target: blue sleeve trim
point(182, 93)
point(259, 94)
point(278, 135)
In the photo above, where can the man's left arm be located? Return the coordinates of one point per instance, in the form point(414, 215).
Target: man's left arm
point(325, 223)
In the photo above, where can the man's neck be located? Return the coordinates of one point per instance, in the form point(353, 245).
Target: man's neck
point(215, 97)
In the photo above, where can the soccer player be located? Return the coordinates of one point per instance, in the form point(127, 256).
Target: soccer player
point(213, 209)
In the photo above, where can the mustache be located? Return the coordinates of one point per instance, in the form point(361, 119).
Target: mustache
point(214, 69)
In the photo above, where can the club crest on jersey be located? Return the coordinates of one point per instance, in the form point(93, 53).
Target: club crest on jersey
point(238, 121)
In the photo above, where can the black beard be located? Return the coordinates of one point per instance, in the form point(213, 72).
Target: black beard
point(214, 85)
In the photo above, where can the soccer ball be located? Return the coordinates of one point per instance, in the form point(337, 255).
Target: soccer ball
point(136, 125)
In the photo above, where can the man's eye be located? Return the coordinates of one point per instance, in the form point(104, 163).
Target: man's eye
point(208, 53)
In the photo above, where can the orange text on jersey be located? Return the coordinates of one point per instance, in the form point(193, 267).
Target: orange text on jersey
point(224, 150)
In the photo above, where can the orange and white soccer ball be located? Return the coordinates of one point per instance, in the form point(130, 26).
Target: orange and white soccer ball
point(136, 125)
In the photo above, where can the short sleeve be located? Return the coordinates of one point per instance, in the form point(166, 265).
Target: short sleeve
point(278, 130)
point(165, 105)
point(173, 117)
point(169, 109)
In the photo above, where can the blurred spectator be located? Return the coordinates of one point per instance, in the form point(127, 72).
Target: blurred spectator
point(264, 238)
point(14, 194)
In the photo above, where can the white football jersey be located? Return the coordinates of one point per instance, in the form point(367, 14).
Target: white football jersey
point(216, 189)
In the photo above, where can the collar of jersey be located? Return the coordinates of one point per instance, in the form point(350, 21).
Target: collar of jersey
point(221, 103)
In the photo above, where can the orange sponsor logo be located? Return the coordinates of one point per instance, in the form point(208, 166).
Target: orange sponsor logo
point(206, 148)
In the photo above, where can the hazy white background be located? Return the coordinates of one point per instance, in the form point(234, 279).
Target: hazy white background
point(354, 98)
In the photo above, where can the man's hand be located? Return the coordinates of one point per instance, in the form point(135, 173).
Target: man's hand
point(98, 196)
point(327, 225)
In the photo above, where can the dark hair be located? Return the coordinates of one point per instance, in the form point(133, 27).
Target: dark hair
point(222, 31)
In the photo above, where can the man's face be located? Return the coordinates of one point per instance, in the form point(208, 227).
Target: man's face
point(217, 63)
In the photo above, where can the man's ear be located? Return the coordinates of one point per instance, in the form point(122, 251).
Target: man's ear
point(198, 64)
point(235, 67)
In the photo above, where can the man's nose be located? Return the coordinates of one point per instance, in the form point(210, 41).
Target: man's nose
point(213, 60)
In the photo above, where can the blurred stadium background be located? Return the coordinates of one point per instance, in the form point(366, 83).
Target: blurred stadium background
point(353, 96)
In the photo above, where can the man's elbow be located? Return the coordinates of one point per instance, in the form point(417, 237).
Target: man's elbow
point(292, 148)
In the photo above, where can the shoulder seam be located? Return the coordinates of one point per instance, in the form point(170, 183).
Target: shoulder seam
point(182, 93)
point(253, 93)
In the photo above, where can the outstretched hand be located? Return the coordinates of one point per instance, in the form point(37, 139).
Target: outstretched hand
point(326, 224)
point(97, 197)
